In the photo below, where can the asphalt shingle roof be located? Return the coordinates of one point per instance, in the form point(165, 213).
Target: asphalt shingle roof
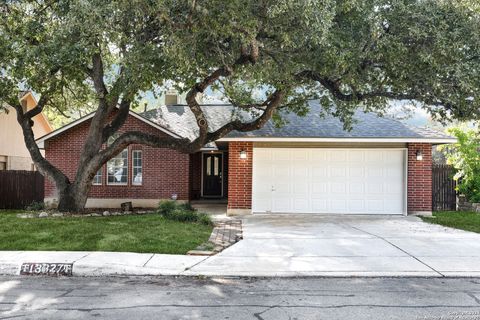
point(181, 120)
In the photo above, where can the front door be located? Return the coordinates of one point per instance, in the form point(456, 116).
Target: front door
point(212, 174)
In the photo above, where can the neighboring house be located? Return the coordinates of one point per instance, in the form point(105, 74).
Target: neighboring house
point(310, 165)
point(13, 152)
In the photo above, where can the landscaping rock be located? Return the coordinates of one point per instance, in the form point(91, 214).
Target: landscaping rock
point(57, 214)
point(96, 215)
point(43, 215)
point(25, 215)
point(106, 213)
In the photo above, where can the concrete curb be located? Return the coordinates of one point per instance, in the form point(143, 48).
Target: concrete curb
point(101, 263)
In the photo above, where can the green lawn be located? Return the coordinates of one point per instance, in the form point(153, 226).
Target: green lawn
point(145, 233)
point(469, 221)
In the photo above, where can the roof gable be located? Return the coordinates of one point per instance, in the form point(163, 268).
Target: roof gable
point(41, 141)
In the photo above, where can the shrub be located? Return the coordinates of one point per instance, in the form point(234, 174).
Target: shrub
point(182, 215)
point(186, 206)
point(167, 206)
point(182, 212)
point(35, 206)
point(465, 158)
point(205, 219)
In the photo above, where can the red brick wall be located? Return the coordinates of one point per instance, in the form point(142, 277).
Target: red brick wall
point(195, 175)
point(165, 171)
point(419, 178)
point(239, 176)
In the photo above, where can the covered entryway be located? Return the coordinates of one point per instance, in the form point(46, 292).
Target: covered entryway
point(317, 180)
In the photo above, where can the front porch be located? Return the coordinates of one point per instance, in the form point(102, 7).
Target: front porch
point(221, 178)
point(209, 176)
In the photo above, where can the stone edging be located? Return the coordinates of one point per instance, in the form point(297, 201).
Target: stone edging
point(56, 214)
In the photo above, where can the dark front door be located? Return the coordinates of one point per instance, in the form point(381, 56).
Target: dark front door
point(212, 174)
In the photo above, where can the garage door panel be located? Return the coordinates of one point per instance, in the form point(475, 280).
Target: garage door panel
point(338, 171)
point(319, 188)
point(374, 156)
point(355, 171)
point(319, 205)
point(356, 156)
point(301, 205)
point(318, 155)
point(300, 188)
point(328, 180)
point(356, 188)
point(356, 206)
point(281, 154)
point(338, 205)
point(337, 155)
point(374, 188)
point(338, 187)
point(319, 171)
point(282, 205)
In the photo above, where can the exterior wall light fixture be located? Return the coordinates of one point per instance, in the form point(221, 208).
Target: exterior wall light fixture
point(419, 155)
point(243, 154)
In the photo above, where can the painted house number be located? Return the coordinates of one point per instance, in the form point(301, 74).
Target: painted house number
point(49, 269)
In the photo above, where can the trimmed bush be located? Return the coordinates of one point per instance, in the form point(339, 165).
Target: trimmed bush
point(35, 206)
point(182, 212)
point(205, 219)
point(166, 206)
point(182, 215)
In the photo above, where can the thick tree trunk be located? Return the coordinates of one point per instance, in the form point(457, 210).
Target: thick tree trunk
point(73, 199)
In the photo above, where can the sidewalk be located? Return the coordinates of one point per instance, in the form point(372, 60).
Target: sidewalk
point(101, 263)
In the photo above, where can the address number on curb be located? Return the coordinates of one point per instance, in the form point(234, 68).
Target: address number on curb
point(48, 269)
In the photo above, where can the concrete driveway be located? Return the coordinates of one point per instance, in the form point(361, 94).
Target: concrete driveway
point(302, 245)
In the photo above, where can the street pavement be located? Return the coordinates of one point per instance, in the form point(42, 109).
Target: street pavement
point(239, 298)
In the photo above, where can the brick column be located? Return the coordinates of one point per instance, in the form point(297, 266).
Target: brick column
point(419, 197)
point(239, 178)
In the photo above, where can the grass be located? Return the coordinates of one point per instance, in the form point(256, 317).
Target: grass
point(144, 233)
point(469, 221)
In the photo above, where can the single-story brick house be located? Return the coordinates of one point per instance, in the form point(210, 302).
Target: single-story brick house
point(309, 165)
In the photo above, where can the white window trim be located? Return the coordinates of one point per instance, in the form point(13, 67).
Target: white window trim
point(118, 183)
point(101, 179)
point(133, 167)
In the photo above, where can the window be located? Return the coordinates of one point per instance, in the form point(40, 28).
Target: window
point(3, 163)
point(117, 169)
point(97, 180)
point(137, 167)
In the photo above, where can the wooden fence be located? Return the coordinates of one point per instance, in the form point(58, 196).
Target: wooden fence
point(444, 196)
point(20, 188)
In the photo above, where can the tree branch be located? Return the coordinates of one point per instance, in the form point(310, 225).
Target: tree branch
point(118, 121)
point(43, 165)
point(334, 87)
point(249, 54)
point(272, 104)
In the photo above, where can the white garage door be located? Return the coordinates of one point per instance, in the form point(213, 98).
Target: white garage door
point(355, 181)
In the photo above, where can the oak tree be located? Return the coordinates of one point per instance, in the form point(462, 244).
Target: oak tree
point(350, 54)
